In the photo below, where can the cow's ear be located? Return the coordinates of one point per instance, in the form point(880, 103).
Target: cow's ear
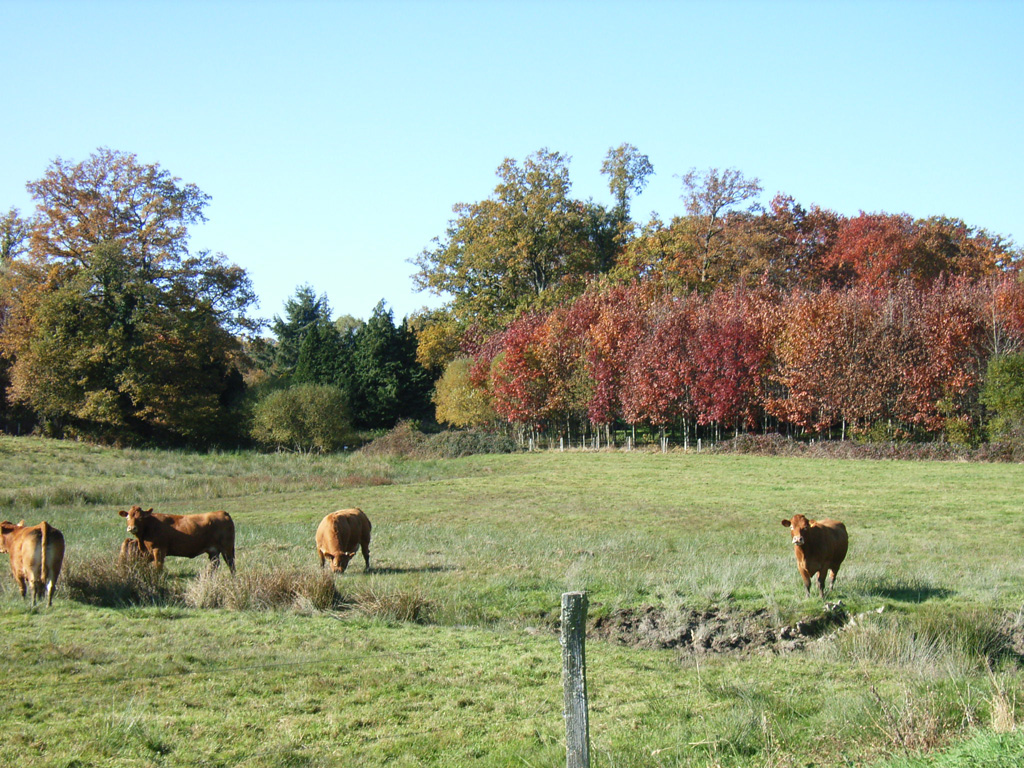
point(785, 523)
point(21, 524)
point(147, 511)
point(122, 513)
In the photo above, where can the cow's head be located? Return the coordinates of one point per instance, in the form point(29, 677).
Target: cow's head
point(341, 561)
point(6, 529)
point(797, 526)
point(134, 515)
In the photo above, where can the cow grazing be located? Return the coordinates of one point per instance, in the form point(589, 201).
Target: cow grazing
point(339, 535)
point(160, 535)
point(820, 546)
point(37, 554)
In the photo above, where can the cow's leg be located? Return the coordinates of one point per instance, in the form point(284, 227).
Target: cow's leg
point(366, 554)
point(229, 558)
point(807, 581)
point(21, 585)
point(821, 581)
point(158, 558)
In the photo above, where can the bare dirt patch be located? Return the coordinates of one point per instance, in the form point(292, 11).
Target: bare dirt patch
point(713, 630)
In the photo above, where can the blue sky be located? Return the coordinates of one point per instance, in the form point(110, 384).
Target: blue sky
point(335, 137)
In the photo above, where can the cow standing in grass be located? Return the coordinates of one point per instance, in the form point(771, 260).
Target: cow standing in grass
point(37, 554)
point(820, 546)
point(340, 535)
point(160, 535)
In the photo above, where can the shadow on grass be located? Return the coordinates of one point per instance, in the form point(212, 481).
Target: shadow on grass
point(392, 570)
point(903, 591)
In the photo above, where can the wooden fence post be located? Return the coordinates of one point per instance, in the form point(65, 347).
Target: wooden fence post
point(574, 680)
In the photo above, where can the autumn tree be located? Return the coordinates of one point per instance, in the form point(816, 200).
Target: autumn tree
point(439, 338)
point(945, 387)
point(116, 329)
point(527, 243)
point(811, 353)
point(949, 247)
point(628, 171)
point(874, 249)
point(659, 366)
point(613, 339)
point(796, 241)
point(14, 233)
point(13, 244)
point(521, 389)
point(730, 357)
point(709, 196)
point(460, 402)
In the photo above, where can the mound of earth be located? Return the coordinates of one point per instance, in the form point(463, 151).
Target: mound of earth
point(713, 630)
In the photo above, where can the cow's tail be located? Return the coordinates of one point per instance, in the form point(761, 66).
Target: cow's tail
point(43, 574)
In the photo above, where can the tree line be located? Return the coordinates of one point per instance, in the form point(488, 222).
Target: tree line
point(565, 316)
point(561, 315)
point(905, 362)
point(113, 329)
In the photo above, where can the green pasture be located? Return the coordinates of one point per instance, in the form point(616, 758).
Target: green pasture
point(447, 653)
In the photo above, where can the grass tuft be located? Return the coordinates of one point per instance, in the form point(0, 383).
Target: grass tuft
point(385, 602)
point(263, 589)
point(103, 581)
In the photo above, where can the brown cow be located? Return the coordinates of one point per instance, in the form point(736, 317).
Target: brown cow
point(37, 554)
point(339, 535)
point(820, 546)
point(160, 535)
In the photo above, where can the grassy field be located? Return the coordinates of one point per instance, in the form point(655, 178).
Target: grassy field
point(447, 653)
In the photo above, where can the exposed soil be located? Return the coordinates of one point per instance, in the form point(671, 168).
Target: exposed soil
point(715, 630)
point(725, 630)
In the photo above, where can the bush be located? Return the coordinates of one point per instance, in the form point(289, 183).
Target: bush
point(303, 418)
point(778, 445)
point(452, 445)
point(1003, 394)
point(403, 440)
point(407, 441)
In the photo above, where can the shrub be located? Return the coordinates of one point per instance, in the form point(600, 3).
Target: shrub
point(303, 418)
point(407, 441)
point(1003, 394)
point(403, 440)
point(452, 445)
